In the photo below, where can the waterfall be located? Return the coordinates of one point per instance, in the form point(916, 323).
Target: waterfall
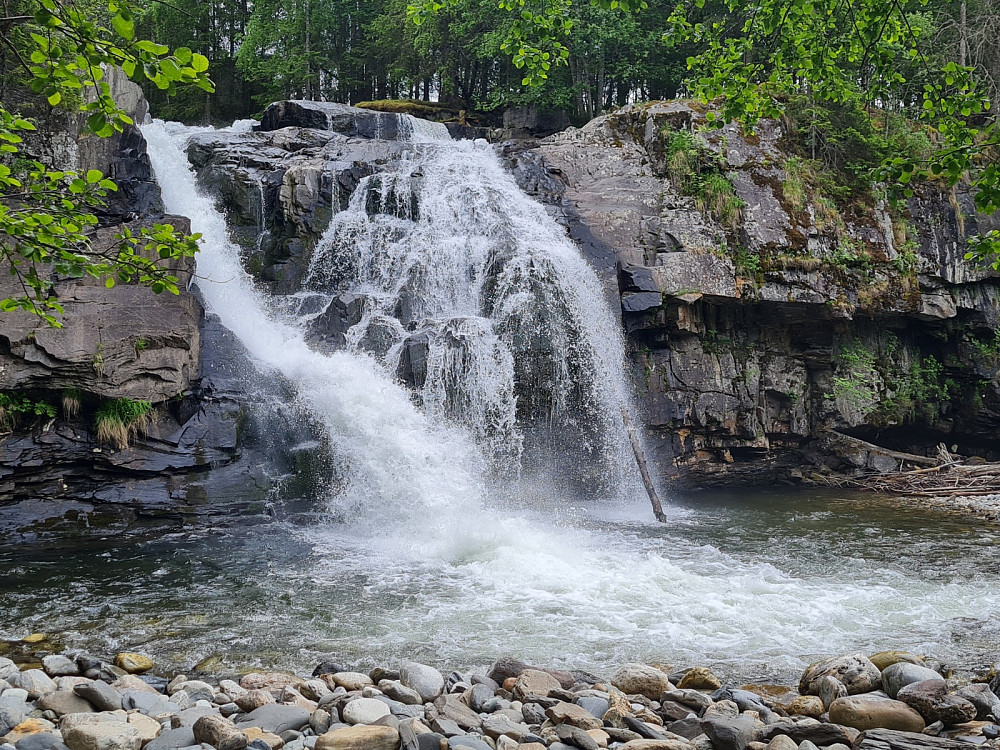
point(475, 279)
point(399, 461)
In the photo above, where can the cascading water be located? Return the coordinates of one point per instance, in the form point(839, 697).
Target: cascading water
point(417, 564)
point(478, 282)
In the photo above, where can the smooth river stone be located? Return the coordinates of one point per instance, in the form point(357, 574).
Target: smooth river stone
point(426, 681)
point(35, 681)
point(875, 712)
point(103, 736)
point(899, 675)
point(219, 732)
point(364, 711)
point(56, 665)
point(276, 718)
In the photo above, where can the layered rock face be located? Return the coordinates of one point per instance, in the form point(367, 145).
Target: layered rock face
point(201, 449)
point(762, 314)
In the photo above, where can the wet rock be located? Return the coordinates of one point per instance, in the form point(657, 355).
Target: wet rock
point(359, 738)
point(399, 692)
point(274, 681)
point(133, 663)
point(854, 671)
point(875, 712)
point(219, 732)
point(985, 700)
point(35, 681)
point(59, 666)
point(327, 667)
point(426, 681)
point(932, 700)
point(639, 679)
point(899, 675)
point(700, 678)
point(340, 118)
point(364, 711)
point(103, 736)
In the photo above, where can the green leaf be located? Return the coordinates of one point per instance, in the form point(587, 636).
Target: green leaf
point(125, 26)
point(94, 175)
point(199, 63)
point(55, 98)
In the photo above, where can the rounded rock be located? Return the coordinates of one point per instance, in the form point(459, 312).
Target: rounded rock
point(640, 679)
point(424, 680)
point(359, 738)
point(364, 711)
point(219, 732)
point(855, 671)
point(931, 699)
point(875, 712)
point(700, 678)
point(899, 675)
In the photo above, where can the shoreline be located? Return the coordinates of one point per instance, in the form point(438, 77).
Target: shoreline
point(76, 701)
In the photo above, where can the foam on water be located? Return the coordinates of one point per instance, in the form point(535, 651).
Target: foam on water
point(421, 561)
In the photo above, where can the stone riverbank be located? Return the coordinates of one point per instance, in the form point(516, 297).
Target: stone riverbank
point(889, 701)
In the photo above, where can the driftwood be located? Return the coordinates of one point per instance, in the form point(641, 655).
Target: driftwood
point(944, 475)
point(640, 458)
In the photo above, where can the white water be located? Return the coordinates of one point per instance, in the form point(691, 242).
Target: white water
point(422, 564)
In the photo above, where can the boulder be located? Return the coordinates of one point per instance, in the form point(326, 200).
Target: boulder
point(359, 738)
point(828, 689)
point(875, 712)
point(340, 118)
point(854, 671)
point(899, 675)
point(639, 679)
point(426, 681)
point(932, 700)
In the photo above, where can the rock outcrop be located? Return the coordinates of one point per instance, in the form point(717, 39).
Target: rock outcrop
point(764, 317)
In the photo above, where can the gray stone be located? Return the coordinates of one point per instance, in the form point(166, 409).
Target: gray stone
point(35, 681)
point(576, 737)
point(426, 681)
point(730, 733)
point(7, 668)
point(533, 713)
point(364, 711)
point(985, 700)
point(496, 725)
point(932, 700)
point(595, 706)
point(196, 690)
point(829, 688)
point(276, 718)
point(10, 717)
point(399, 692)
point(807, 730)
point(465, 740)
point(451, 707)
point(41, 741)
point(64, 702)
point(219, 732)
point(477, 697)
point(899, 675)
point(59, 666)
point(188, 716)
point(100, 695)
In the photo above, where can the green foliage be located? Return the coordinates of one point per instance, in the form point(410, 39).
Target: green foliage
point(120, 420)
point(851, 254)
point(987, 350)
point(756, 59)
point(855, 383)
point(17, 410)
point(46, 215)
point(696, 170)
point(918, 392)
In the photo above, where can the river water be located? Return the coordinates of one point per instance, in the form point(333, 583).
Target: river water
point(425, 551)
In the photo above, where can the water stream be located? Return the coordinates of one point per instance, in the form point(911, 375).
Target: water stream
point(424, 552)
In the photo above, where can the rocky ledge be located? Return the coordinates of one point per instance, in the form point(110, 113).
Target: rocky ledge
point(891, 701)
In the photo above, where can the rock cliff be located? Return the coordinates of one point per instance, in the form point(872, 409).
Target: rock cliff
point(764, 316)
